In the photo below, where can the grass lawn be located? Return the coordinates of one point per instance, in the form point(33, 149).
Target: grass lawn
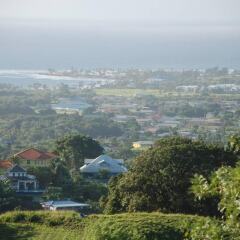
point(129, 92)
point(65, 225)
point(173, 95)
point(126, 92)
point(36, 232)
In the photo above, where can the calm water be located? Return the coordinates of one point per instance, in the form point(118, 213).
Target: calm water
point(26, 46)
point(28, 78)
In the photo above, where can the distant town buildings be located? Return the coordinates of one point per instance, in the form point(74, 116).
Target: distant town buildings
point(142, 144)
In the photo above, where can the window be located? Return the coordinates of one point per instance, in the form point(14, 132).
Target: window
point(28, 161)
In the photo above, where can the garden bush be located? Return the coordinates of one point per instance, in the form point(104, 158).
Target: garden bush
point(127, 226)
point(140, 226)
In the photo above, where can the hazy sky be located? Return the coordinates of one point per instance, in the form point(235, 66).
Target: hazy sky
point(97, 33)
point(161, 11)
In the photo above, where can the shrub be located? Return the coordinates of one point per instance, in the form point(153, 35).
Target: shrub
point(139, 226)
point(20, 217)
point(129, 226)
point(58, 218)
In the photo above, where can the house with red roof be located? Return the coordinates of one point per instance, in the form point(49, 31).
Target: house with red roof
point(33, 157)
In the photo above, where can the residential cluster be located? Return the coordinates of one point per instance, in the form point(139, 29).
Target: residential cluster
point(15, 171)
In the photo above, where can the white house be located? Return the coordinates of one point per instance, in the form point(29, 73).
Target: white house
point(103, 163)
point(20, 180)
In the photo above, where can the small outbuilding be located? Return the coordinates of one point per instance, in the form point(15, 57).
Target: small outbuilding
point(64, 205)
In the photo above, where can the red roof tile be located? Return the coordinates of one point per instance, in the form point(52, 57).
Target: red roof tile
point(5, 164)
point(35, 154)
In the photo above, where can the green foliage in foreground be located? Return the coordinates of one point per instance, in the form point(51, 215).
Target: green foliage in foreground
point(36, 232)
point(52, 219)
point(63, 225)
point(225, 184)
point(159, 179)
point(7, 200)
point(138, 226)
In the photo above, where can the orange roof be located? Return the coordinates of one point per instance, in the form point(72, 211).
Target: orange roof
point(5, 164)
point(35, 154)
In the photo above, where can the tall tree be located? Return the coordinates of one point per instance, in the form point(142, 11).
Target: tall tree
point(160, 178)
point(8, 199)
point(73, 149)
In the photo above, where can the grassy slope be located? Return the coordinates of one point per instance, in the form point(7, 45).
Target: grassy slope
point(36, 232)
point(36, 225)
point(41, 225)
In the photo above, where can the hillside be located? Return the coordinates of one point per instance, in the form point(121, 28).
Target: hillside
point(38, 225)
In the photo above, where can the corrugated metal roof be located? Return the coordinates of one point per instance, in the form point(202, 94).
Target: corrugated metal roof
point(103, 162)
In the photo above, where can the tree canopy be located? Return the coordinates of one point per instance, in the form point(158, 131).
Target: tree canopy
point(73, 149)
point(7, 196)
point(160, 178)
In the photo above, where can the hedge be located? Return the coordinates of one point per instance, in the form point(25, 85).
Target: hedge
point(127, 226)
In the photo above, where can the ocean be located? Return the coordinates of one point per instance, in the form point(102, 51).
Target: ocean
point(27, 78)
point(65, 46)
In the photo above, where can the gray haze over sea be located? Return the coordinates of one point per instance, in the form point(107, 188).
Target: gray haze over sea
point(25, 45)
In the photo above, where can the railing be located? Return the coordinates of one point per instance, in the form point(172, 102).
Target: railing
point(30, 190)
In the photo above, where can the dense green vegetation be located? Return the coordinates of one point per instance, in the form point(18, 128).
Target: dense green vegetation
point(62, 182)
point(138, 226)
point(62, 178)
point(7, 197)
point(177, 176)
point(74, 149)
point(154, 226)
point(160, 178)
point(26, 119)
point(36, 232)
point(225, 184)
point(41, 225)
point(22, 131)
point(59, 225)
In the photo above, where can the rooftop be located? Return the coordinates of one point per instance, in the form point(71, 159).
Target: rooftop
point(35, 154)
point(65, 203)
point(5, 164)
point(103, 162)
point(17, 168)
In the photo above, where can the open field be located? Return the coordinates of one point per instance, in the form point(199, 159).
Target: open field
point(131, 92)
point(163, 95)
point(126, 92)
